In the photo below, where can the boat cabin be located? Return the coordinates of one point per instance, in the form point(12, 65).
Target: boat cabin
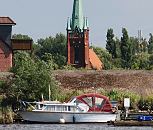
point(59, 108)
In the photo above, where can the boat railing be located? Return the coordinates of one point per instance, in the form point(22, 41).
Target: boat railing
point(26, 106)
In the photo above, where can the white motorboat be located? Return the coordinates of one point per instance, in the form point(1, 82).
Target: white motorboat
point(81, 109)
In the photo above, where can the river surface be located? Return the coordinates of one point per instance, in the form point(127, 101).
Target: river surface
point(68, 127)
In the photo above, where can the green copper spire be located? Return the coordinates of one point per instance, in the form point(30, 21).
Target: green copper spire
point(77, 15)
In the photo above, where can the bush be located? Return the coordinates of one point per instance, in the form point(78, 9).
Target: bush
point(118, 95)
point(69, 67)
point(146, 103)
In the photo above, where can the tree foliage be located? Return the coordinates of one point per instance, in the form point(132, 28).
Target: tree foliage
point(110, 43)
point(55, 47)
point(140, 61)
point(125, 49)
point(135, 46)
point(150, 46)
point(32, 78)
point(117, 46)
point(130, 52)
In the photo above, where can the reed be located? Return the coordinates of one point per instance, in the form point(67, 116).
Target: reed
point(7, 115)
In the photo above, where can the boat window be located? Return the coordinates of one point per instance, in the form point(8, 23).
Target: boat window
point(77, 101)
point(39, 106)
point(57, 108)
point(74, 108)
point(99, 102)
point(50, 108)
point(88, 100)
point(44, 107)
point(65, 108)
point(69, 109)
point(61, 108)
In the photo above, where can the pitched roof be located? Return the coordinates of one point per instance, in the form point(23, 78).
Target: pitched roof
point(6, 21)
point(94, 60)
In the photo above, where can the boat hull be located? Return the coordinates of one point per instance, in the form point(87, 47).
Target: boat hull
point(69, 117)
point(94, 117)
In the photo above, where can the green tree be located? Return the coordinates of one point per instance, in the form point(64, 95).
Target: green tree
point(56, 47)
point(118, 48)
point(140, 61)
point(31, 79)
point(135, 46)
point(150, 46)
point(48, 58)
point(151, 61)
point(144, 46)
point(110, 43)
point(126, 51)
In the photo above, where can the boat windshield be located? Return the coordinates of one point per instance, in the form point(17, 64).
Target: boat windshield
point(99, 102)
point(89, 101)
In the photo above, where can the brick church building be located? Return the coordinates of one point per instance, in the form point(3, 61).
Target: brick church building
point(79, 53)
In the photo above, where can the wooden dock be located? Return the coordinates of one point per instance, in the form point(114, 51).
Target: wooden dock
point(132, 123)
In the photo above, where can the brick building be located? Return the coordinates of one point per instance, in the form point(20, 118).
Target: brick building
point(8, 45)
point(79, 53)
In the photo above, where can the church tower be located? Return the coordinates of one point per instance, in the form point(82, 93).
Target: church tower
point(78, 38)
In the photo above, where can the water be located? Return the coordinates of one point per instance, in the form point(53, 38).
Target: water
point(68, 127)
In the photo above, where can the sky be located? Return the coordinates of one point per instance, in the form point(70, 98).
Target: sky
point(44, 18)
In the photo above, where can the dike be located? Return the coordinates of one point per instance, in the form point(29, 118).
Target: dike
point(139, 81)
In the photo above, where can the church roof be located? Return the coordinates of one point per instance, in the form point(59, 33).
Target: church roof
point(6, 21)
point(94, 60)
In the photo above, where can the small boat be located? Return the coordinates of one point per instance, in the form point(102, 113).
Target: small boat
point(81, 109)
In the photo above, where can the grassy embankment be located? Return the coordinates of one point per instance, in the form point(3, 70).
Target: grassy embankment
point(116, 84)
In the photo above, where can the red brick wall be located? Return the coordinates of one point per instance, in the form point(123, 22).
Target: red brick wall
point(5, 57)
